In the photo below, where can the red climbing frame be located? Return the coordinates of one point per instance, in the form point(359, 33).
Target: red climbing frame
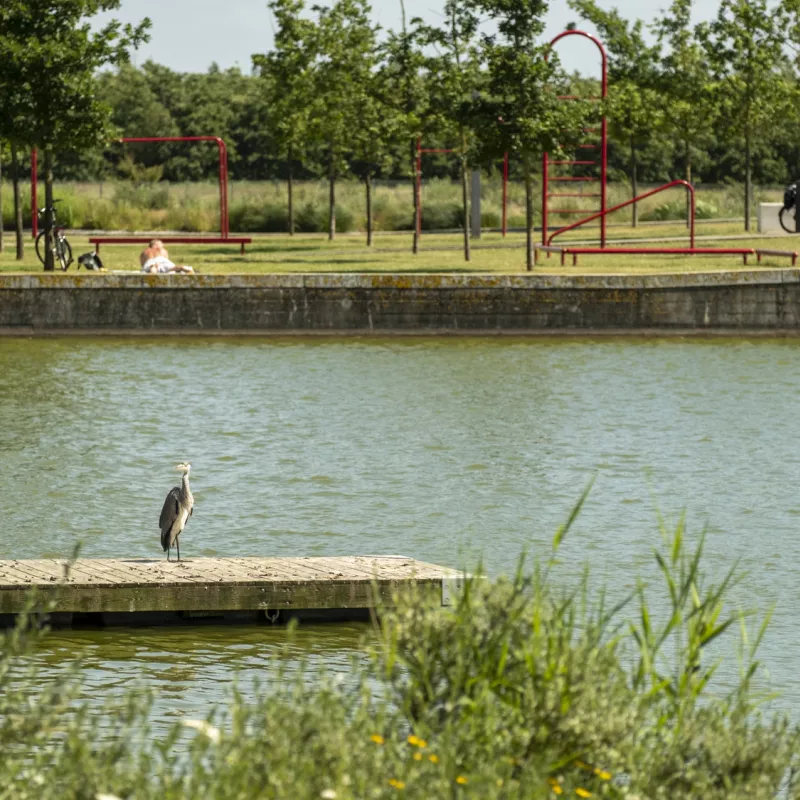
point(547, 238)
point(602, 147)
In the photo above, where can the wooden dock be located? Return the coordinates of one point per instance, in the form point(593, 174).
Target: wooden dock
point(104, 591)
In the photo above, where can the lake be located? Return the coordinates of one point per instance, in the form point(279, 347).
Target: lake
point(450, 450)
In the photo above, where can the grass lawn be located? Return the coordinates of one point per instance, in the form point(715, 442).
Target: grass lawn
point(439, 253)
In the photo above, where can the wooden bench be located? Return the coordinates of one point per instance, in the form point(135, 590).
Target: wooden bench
point(240, 240)
point(785, 253)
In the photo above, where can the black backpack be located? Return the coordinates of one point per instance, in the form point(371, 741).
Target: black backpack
point(90, 261)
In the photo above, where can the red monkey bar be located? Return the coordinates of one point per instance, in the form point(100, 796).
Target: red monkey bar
point(224, 225)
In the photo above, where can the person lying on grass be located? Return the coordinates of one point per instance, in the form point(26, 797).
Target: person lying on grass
point(155, 259)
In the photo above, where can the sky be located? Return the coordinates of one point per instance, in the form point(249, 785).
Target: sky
point(188, 35)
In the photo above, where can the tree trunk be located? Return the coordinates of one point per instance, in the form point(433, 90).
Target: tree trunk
point(465, 203)
point(331, 205)
point(17, 203)
point(368, 184)
point(291, 199)
point(1, 206)
point(415, 239)
point(528, 214)
point(748, 178)
point(49, 259)
point(634, 184)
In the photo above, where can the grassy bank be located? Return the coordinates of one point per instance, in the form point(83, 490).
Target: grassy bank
point(529, 686)
point(439, 253)
point(261, 207)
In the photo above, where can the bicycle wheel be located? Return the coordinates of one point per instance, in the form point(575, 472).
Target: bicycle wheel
point(787, 216)
point(40, 246)
point(63, 251)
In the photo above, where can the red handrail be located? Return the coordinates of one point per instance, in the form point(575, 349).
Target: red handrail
point(605, 213)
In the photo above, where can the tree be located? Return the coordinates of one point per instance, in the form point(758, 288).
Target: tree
point(287, 85)
point(402, 76)
point(633, 104)
point(50, 57)
point(374, 139)
point(521, 113)
point(454, 82)
point(745, 47)
point(346, 56)
point(689, 103)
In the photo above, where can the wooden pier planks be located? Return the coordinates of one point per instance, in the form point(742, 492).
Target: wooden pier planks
point(106, 585)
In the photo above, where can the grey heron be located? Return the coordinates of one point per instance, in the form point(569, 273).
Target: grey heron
point(177, 509)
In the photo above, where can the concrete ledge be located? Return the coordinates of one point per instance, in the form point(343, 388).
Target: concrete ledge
point(371, 280)
point(336, 303)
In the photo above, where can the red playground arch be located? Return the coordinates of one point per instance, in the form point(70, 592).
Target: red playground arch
point(224, 224)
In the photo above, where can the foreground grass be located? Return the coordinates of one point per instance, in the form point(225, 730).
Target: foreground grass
point(439, 252)
point(528, 687)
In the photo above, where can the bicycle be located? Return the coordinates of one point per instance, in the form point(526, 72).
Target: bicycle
point(62, 252)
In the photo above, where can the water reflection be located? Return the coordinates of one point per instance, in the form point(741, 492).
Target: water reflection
point(192, 667)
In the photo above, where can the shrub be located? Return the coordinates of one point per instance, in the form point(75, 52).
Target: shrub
point(442, 216)
point(147, 195)
point(491, 218)
point(676, 210)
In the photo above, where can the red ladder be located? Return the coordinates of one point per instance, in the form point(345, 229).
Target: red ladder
point(602, 146)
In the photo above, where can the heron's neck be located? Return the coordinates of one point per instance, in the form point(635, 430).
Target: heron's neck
point(185, 481)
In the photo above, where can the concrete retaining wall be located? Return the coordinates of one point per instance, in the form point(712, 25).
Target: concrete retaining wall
point(756, 300)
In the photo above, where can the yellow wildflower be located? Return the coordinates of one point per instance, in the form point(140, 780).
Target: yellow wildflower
point(434, 759)
point(462, 780)
point(582, 792)
point(602, 774)
point(415, 741)
point(555, 785)
point(377, 738)
point(499, 783)
point(417, 756)
point(396, 783)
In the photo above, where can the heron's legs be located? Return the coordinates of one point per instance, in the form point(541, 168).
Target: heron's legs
point(178, 545)
point(168, 553)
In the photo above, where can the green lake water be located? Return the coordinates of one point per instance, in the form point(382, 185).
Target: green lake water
point(447, 450)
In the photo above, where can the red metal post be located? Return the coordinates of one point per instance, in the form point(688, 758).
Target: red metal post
point(545, 191)
point(34, 193)
point(505, 191)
